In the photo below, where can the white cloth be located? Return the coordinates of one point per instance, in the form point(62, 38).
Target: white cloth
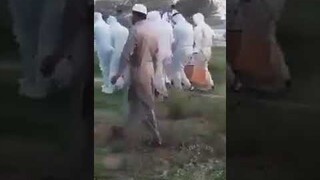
point(165, 34)
point(183, 49)
point(119, 35)
point(167, 16)
point(203, 35)
point(102, 36)
point(140, 8)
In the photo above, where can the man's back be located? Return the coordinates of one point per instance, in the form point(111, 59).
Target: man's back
point(164, 30)
point(183, 34)
point(147, 42)
point(203, 35)
point(102, 34)
point(167, 38)
point(119, 35)
point(124, 20)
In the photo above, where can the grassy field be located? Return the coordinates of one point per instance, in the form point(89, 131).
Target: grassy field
point(192, 125)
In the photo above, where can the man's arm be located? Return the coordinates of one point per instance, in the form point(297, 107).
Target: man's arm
point(128, 50)
point(176, 37)
point(171, 36)
point(198, 36)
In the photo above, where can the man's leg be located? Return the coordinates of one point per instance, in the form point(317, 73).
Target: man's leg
point(159, 79)
point(133, 131)
point(177, 80)
point(164, 79)
point(151, 122)
point(176, 68)
point(209, 79)
point(104, 69)
point(207, 54)
point(113, 69)
point(168, 71)
point(185, 56)
point(184, 79)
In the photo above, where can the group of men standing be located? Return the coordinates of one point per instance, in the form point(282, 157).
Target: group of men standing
point(154, 53)
point(178, 40)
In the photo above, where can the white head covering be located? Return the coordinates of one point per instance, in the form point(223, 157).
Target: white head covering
point(198, 19)
point(202, 27)
point(112, 20)
point(178, 18)
point(154, 16)
point(140, 8)
point(174, 11)
point(175, 1)
point(97, 16)
point(165, 17)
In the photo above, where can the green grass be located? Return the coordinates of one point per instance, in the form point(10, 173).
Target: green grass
point(183, 118)
point(217, 67)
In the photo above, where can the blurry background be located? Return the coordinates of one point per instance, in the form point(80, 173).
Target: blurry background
point(275, 137)
point(7, 44)
point(33, 134)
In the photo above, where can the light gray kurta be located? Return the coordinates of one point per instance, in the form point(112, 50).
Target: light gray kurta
point(140, 54)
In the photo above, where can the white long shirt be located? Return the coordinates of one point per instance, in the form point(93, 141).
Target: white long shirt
point(183, 33)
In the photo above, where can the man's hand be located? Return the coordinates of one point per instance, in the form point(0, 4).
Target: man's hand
point(49, 64)
point(114, 79)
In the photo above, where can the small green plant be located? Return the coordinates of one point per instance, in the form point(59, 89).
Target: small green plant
point(177, 105)
point(199, 167)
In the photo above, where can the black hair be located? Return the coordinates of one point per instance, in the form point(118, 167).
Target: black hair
point(173, 6)
point(175, 14)
point(105, 16)
point(140, 15)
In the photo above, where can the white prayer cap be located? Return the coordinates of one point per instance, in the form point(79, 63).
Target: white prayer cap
point(198, 18)
point(175, 11)
point(154, 16)
point(140, 8)
point(111, 20)
point(97, 16)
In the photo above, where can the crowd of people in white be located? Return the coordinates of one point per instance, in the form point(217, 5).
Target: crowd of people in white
point(178, 41)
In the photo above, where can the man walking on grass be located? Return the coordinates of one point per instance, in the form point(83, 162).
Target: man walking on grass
point(140, 54)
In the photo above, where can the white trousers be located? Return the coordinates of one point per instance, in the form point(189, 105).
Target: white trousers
point(104, 63)
point(207, 52)
point(180, 59)
point(160, 77)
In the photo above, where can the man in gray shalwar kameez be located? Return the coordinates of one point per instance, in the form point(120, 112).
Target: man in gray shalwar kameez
point(140, 53)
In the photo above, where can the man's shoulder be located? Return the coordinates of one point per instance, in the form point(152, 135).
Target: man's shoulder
point(102, 27)
point(198, 28)
point(140, 27)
